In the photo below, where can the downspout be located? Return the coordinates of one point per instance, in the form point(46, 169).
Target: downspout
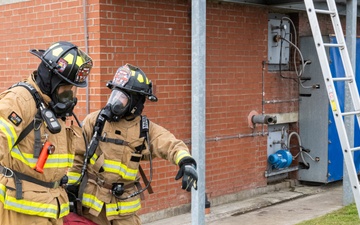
point(86, 36)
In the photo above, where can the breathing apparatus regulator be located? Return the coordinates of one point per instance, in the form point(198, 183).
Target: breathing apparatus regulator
point(63, 102)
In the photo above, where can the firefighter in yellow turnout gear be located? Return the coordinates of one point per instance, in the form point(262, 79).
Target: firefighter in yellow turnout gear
point(32, 120)
point(111, 195)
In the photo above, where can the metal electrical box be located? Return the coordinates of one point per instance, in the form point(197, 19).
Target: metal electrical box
point(323, 162)
point(278, 48)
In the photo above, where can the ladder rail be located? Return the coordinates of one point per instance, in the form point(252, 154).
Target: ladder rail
point(349, 72)
point(329, 83)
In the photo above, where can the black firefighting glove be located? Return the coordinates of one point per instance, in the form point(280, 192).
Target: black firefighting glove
point(188, 173)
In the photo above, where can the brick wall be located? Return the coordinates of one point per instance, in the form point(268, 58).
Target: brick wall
point(35, 24)
point(156, 36)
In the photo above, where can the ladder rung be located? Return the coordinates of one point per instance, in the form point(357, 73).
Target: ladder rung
point(342, 79)
point(333, 45)
point(350, 113)
point(355, 149)
point(322, 11)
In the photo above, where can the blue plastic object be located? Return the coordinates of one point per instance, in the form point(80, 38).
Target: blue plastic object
point(280, 159)
point(334, 170)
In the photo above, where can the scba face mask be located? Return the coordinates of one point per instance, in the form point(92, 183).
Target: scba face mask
point(117, 105)
point(64, 101)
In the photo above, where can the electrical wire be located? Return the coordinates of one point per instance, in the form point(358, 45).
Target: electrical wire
point(281, 47)
point(297, 50)
point(300, 72)
point(295, 38)
point(301, 149)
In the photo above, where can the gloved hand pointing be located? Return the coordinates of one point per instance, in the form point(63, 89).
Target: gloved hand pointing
point(188, 173)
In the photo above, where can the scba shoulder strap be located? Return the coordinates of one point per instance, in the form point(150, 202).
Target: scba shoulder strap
point(43, 115)
point(35, 123)
point(144, 132)
point(32, 90)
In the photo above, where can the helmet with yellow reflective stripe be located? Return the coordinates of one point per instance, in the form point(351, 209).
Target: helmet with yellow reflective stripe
point(67, 61)
point(132, 79)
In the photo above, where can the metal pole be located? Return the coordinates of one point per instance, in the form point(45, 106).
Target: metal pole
point(351, 12)
point(198, 93)
point(86, 39)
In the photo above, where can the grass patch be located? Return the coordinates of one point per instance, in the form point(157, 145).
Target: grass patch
point(344, 216)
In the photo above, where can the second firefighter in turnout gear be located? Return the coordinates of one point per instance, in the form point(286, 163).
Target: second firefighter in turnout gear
point(119, 137)
point(35, 142)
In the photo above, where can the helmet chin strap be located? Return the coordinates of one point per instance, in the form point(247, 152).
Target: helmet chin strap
point(138, 108)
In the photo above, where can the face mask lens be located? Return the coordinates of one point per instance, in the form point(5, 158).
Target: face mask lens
point(118, 97)
point(66, 93)
point(118, 101)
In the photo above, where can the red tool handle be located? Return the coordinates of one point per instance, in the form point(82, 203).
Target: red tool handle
point(47, 149)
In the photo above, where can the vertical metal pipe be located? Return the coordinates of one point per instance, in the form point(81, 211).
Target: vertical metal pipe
point(87, 52)
point(198, 94)
point(351, 13)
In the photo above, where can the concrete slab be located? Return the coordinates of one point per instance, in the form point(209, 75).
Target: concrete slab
point(283, 207)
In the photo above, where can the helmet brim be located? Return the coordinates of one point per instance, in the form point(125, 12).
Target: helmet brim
point(152, 98)
point(37, 52)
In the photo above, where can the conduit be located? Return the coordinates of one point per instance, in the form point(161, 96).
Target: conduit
point(228, 137)
point(86, 37)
